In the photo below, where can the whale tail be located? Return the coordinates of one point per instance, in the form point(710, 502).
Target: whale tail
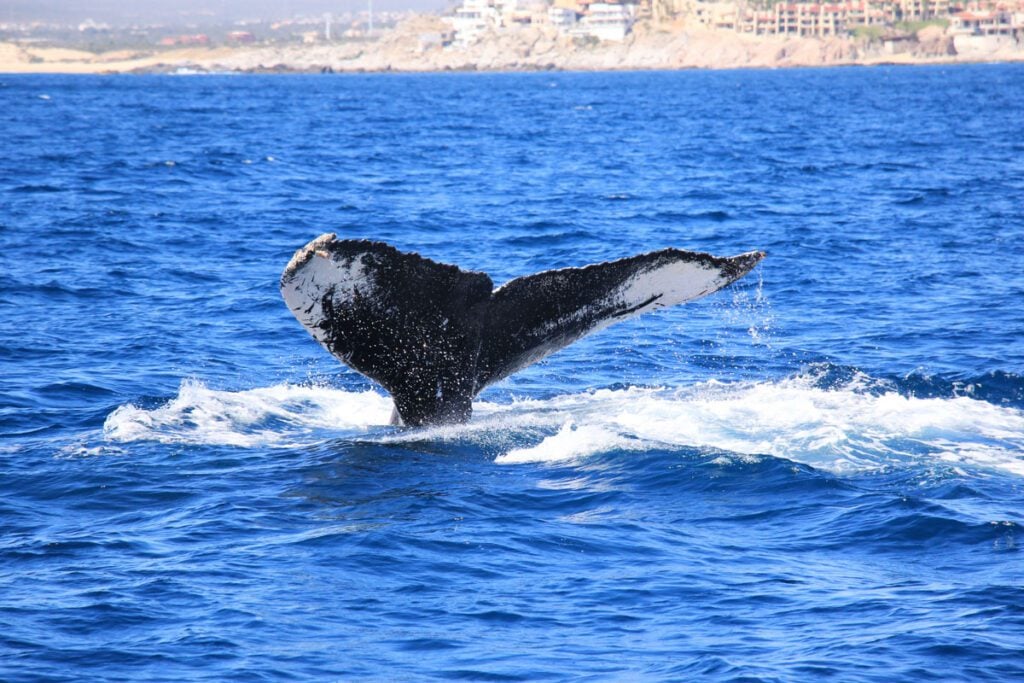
point(434, 335)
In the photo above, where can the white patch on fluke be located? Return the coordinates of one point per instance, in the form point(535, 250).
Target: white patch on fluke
point(304, 291)
point(674, 283)
point(668, 285)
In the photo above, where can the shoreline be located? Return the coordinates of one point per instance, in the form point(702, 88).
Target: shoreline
point(287, 71)
point(401, 50)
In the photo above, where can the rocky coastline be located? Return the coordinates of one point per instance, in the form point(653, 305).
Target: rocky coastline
point(412, 46)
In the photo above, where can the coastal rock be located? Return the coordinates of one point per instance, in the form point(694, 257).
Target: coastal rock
point(933, 41)
point(417, 45)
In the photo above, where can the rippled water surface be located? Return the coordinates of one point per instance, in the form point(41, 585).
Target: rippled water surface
point(816, 473)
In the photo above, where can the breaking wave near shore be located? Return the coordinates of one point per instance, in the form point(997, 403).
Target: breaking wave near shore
point(845, 426)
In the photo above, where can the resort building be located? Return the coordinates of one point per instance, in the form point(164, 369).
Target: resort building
point(993, 22)
point(607, 21)
point(918, 10)
point(721, 16)
point(562, 18)
point(613, 20)
point(610, 21)
point(810, 19)
point(823, 19)
point(473, 19)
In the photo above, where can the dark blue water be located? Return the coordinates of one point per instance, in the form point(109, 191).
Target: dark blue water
point(816, 473)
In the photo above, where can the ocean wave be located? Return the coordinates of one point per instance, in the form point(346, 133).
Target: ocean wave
point(850, 427)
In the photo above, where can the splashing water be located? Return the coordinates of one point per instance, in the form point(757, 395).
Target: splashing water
point(846, 429)
point(279, 416)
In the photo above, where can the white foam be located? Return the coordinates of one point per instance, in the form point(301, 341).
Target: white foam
point(84, 450)
point(296, 414)
point(569, 443)
point(855, 428)
point(840, 430)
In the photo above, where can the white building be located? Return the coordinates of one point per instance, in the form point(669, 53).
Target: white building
point(602, 20)
point(562, 18)
point(605, 21)
point(474, 18)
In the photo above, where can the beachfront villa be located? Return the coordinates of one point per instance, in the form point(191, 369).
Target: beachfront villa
point(604, 21)
point(979, 30)
point(992, 22)
point(562, 18)
point(821, 19)
point(608, 21)
point(473, 19)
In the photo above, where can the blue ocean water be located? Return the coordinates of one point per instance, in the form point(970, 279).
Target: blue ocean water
point(816, 473)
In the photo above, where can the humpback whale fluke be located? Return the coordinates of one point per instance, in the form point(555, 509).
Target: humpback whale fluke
point(434, 335)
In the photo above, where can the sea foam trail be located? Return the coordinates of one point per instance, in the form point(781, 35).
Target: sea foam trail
point(841, 430)
point(846, 429)
point(281, 415)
